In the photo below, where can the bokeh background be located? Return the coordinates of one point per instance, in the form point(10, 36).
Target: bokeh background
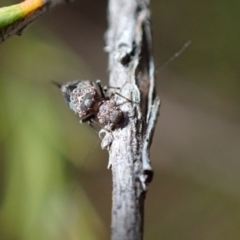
point(54, 183)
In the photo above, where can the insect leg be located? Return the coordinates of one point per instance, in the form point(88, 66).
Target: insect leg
point(87, 119)
point(101, 89)
point(120, 95)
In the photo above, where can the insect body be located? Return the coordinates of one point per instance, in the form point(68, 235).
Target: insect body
point(90, 101)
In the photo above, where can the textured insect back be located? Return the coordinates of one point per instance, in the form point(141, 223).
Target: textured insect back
point(109, 113)
point(92, 104)
point(82, 97)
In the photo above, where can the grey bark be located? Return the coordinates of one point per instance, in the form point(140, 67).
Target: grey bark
point(131, 68)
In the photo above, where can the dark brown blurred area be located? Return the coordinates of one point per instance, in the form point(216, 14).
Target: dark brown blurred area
point(195, 192)
point(82, 25)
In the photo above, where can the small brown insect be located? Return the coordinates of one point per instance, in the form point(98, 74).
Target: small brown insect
point(90, 101)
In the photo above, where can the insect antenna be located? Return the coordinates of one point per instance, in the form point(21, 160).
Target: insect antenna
point(56, 84)
point(120, 95)
point(176, 55)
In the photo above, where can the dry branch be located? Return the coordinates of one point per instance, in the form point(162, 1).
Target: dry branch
point(131, 68)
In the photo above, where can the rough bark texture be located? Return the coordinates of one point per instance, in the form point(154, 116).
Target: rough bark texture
point(131, 69)
point(17, 27)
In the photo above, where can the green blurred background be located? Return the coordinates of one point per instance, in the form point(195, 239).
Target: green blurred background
point(54, 182)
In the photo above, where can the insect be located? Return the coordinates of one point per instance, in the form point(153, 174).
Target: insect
point(90, 101)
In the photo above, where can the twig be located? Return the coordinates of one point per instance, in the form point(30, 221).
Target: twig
point(14, 19)
point(131, 68)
